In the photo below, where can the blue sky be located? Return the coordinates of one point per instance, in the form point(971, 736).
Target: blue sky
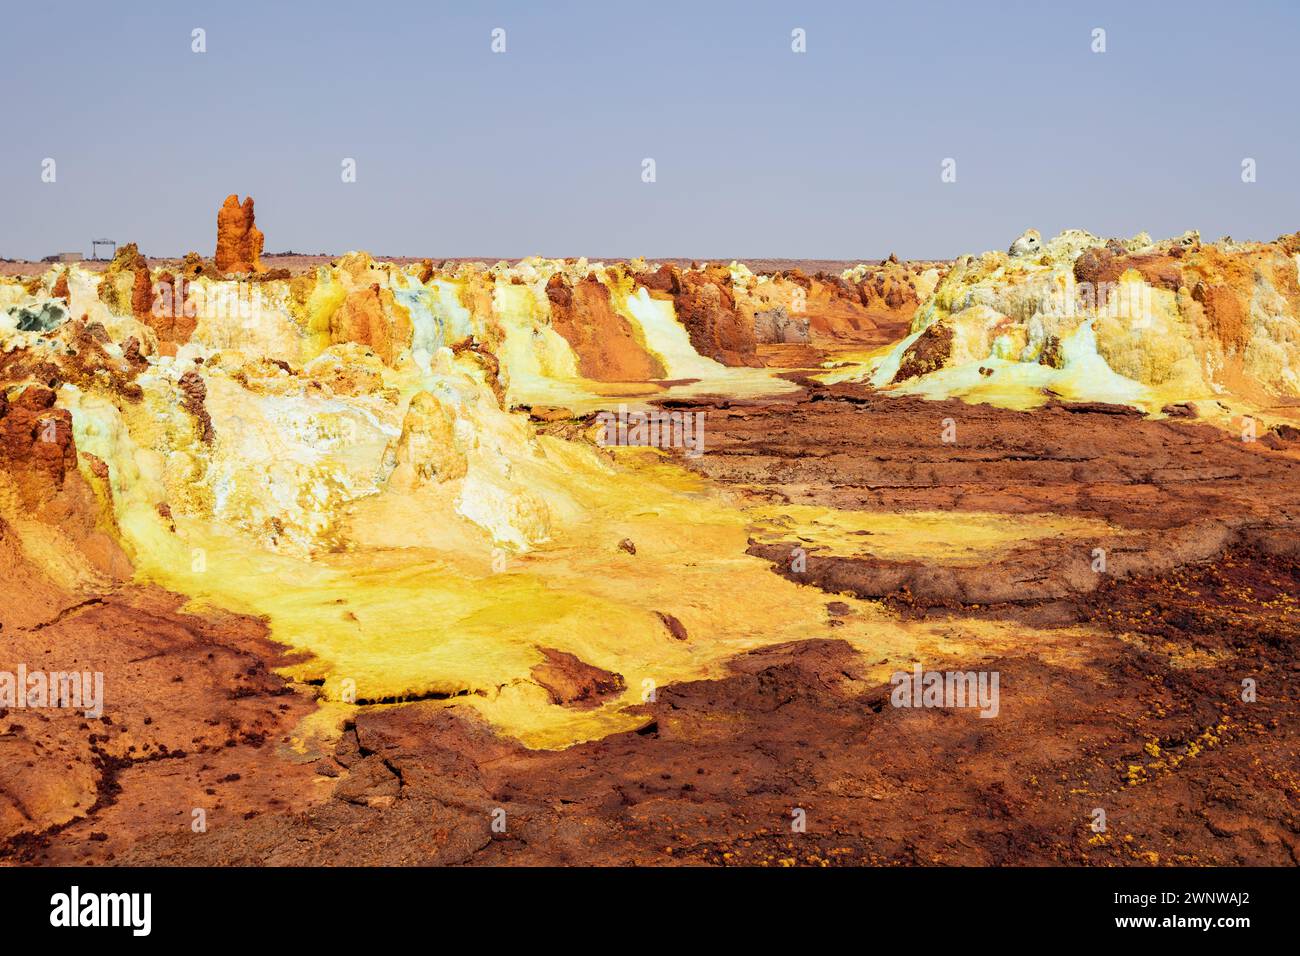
point(760, 152)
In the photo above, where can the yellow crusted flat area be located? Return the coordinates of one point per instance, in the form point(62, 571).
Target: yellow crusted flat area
point(946, 537)
point(409, 622)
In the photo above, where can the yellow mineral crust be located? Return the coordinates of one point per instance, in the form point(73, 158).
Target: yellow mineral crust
point(1121, 321)
point(954, 538)
point(334, 454)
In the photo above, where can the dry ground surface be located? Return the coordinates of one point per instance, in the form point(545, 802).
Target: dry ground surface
point(1123, 694)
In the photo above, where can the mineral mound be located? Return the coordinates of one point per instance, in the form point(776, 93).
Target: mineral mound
point(239, 241)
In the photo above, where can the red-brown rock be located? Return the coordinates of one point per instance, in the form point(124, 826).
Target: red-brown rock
point(239, 241)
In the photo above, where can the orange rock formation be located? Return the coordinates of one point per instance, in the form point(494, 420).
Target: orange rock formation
point(606, 346)
point(706, 306)
point(239, 241)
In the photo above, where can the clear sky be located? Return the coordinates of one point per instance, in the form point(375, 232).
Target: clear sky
point(759, 151)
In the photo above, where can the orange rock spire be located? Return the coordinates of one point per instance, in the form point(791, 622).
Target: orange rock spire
point(239, 241)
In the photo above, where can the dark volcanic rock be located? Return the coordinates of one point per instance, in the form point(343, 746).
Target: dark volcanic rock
point(929, 353)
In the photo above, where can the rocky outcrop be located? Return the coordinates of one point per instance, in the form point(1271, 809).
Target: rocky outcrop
point(1133, 321)
point(1103, 266)
point(194, 265)
point(57, 529)
point(929, 353)
point(607, 348)
point(368, 318)
point(126, 287)
point(777, 326)
point(870, 304)
point(427, 451)
point(79, 355)
point(196, 392)
point(889, 291)
point(239, 241)
point(173, 315)
point(573, 682)
point(36, 446)
point(706, 306)
point(1029, 243)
